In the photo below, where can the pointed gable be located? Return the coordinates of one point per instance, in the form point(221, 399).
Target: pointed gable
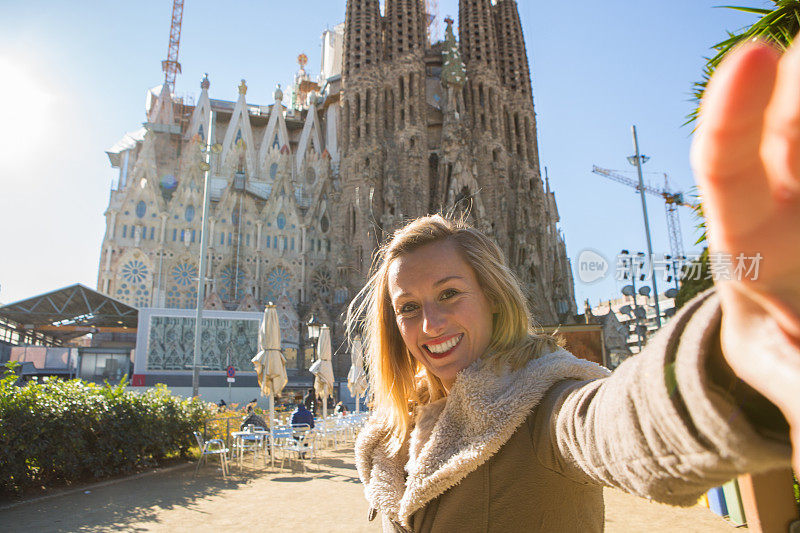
point(276, 137)
point(310, 138)
point(145, 184)
point(161, 111)
point(239, 129)
point(199, 124)
point(282, 200)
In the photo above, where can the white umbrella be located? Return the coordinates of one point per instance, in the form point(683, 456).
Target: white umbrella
point(270, 364)
point(323, 369)
point(356, 377)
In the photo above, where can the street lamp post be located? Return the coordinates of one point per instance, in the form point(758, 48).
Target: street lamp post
point(630, 290)
point(637, 160)
point(313, 325)
point(201, 284)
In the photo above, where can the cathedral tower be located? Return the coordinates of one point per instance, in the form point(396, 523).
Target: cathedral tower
point(361, 174)
point(511, 54)
point(405, 184)
point(477, 33)
point(362, 40)
point(404, 27)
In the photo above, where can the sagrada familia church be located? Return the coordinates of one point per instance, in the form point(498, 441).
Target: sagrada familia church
point(302, 191)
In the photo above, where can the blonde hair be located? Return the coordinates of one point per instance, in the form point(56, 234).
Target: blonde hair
point(397, 381)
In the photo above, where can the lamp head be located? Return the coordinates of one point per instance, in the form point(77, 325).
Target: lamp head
point(313, 326)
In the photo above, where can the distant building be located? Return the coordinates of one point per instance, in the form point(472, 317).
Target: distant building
point(619, 321)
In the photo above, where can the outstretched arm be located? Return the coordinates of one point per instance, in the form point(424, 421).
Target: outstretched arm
point(669, 423)
point(746, 157)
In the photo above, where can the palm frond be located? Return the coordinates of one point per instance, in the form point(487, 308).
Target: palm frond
point(777, 26)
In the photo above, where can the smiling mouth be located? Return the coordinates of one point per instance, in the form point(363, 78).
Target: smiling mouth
point(443, 349)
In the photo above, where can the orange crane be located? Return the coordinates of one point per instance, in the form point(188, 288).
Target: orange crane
point(671, 199)
point(170, 66)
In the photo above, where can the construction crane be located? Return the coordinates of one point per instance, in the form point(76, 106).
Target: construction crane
point(671, 199)
point(170, 66)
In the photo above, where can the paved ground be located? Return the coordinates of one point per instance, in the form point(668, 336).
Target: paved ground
point(329, 499)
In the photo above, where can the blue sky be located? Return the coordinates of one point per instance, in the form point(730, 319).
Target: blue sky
point(73, 77)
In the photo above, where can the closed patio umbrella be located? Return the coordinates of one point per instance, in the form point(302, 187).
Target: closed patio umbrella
point(323, 369)
point(356, 377)
point(270, 364)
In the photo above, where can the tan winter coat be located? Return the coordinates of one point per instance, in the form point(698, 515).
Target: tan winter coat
point(531, 450)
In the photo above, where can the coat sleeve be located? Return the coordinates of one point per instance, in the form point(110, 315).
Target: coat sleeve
point(659, 426)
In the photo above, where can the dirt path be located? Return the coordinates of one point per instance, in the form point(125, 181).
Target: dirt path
point(329, 499)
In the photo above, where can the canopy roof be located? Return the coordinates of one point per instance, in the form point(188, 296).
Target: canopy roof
point(71, 312)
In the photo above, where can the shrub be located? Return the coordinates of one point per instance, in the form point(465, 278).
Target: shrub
point(59, 432)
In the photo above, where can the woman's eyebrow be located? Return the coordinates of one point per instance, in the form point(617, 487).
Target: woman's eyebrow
point(396, 297)
point(445, 280)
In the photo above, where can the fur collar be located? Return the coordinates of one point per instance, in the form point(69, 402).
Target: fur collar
point(453, 436)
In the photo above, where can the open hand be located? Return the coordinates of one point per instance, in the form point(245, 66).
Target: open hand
point(746, 156)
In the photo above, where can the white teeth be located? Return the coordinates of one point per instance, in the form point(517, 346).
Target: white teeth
point(443, 347)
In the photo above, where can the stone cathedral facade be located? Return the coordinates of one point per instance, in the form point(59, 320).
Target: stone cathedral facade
point(303, 190)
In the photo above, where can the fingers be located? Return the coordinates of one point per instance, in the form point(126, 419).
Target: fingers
point(781, 146)
point(726, 151)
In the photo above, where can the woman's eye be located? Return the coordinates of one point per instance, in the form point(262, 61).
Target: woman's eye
point(448, 293)
point(407, 308)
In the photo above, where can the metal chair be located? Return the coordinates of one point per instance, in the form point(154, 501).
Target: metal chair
point(212, 447)
point(249, 443)
point(297, 440)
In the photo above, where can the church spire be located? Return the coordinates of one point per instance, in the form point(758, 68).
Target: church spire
point(405, 27)
point(477, 33)
point(363, 36)
point(511, 53)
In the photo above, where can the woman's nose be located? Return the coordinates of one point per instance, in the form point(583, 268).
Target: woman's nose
point(433, 320)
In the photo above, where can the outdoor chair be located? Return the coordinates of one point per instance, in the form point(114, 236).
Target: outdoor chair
point(326, 432)
point(304, 434)
point(249, 443)
point(297, 441)
point(212, 447)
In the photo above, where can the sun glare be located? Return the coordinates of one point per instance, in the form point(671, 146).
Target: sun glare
point(25, 106)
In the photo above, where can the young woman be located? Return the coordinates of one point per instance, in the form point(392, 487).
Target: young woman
point(480, 425)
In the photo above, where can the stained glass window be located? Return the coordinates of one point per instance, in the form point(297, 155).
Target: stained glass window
point(189, 214)
point(134, 271)
point(321, 283)
point(278, 281)
point(134, 283)
point(141, 209)
point(281, 221)
point(184, 274)
point(232, 283)
point(273, 170)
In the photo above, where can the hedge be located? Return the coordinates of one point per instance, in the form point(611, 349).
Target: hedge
point(59, 432)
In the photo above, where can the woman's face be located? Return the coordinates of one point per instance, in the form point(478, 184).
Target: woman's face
point(442, 313)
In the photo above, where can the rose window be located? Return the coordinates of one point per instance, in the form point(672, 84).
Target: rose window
point(278, 281)
point(184, 274)
point(134, 271)
point(232, 283)
point(322, 283)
